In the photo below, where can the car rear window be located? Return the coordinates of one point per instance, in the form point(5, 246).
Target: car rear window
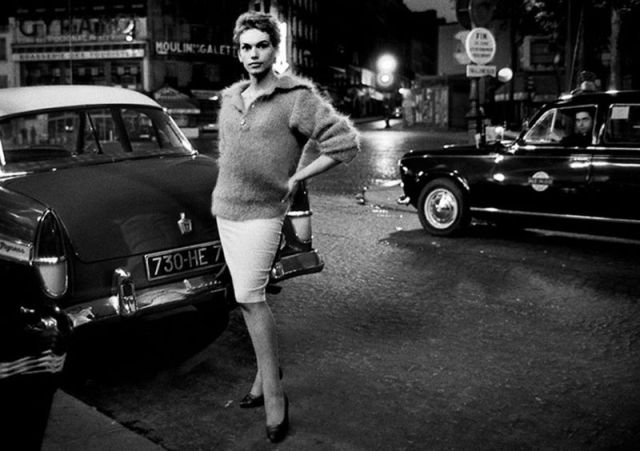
point(59, 138)
point(623, 124)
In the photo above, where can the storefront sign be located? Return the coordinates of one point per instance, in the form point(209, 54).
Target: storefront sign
point(80, 29)
point(368, 77)
point(191, 48)
point(79, 55)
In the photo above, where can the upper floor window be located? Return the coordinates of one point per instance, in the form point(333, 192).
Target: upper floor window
point(3, 49)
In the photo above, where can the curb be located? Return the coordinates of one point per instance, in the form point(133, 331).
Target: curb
point(76, 426)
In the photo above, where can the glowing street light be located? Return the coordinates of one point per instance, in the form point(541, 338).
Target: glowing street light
point(387, 63)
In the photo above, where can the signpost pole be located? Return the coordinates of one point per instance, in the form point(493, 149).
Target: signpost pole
point(480, 46)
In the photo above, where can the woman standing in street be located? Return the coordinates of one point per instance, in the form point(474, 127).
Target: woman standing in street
point(264, 125)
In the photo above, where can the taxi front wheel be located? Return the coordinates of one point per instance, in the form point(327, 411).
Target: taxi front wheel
point(442, 208)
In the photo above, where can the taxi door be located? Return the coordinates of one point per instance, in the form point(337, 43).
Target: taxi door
point(542, 174)
point(615, 179)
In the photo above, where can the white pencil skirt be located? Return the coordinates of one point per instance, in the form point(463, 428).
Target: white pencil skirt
point(249, 249)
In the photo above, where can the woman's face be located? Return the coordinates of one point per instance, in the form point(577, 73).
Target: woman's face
point(256, 54)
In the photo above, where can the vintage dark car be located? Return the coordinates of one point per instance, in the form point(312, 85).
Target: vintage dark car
point(105, 217)
point(549, 177)
point(105, 207)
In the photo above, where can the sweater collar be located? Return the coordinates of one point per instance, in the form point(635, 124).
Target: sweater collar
point(283, 83)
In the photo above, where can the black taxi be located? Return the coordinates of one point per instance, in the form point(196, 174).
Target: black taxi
point(576, 167)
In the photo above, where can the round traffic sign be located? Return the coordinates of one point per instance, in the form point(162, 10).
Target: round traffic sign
point(480, 45)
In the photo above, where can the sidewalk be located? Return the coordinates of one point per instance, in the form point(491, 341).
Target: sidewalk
point(76, 426)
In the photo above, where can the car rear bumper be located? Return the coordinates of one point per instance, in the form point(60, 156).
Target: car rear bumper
point(296, 265)
point(143, 302)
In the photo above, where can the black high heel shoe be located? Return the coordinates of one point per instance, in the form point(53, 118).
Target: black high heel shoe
point(278, 433)
point(250, 401)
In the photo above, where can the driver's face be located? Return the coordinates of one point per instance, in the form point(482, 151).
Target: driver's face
point(584, 123)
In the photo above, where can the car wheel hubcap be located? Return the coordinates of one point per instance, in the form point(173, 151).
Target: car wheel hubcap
point(441, 208)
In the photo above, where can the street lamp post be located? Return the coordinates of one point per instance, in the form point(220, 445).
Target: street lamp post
point(385, 79)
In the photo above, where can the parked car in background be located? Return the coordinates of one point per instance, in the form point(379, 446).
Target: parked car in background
point(545, 178)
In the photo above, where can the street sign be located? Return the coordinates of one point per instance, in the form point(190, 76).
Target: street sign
point(480, 45)
point(477, 70)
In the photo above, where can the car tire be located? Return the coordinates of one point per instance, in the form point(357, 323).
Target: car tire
point(442, 208)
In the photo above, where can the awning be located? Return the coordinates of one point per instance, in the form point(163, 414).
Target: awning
point(175, 102)
point(545, 88)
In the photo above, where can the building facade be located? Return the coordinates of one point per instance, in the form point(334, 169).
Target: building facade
point(6, 63)
point(148, 45)
point(89, 44)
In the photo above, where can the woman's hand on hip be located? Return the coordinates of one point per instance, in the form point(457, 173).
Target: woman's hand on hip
point(292, 187)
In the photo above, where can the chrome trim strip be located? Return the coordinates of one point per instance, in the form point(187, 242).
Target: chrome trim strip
point(49, 260)
point(296, 214)
point(45, 362)
point(556, 215)
point(148, 299)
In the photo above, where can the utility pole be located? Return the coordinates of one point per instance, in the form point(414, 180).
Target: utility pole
point(568, 49)
point(511, 108)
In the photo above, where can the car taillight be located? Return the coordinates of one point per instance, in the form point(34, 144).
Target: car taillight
point(300, 214)
point(50, 259)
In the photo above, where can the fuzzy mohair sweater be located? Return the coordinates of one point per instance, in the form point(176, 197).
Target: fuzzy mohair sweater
point(262, 147)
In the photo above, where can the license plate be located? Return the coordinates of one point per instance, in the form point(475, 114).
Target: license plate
point(182, 260)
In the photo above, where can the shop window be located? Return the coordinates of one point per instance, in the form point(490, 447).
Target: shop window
point(140, 130)
point(149, 130)
point(39, 137)
point(105, 129)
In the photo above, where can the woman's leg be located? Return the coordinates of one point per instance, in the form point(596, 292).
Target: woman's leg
point(249, 248)
point(262, 330)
